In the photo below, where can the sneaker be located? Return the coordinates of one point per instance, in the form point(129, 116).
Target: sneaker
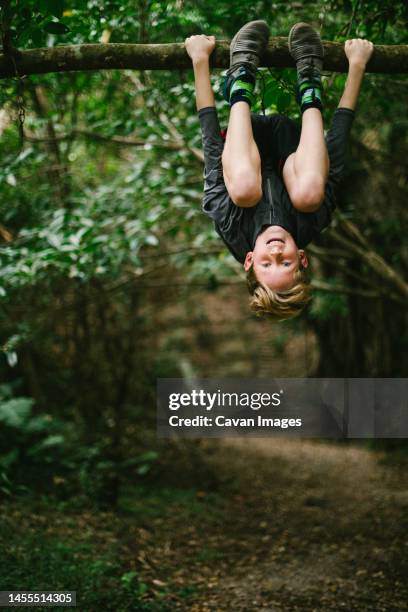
point(306, 48)
point(248, 46)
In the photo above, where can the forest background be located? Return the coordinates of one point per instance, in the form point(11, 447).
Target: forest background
point(112, 277)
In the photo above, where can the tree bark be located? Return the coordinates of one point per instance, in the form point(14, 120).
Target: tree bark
point(389, 59)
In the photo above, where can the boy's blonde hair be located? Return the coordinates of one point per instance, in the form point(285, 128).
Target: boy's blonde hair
point(279, 305)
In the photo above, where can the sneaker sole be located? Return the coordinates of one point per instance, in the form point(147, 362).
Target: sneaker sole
point(304, 41)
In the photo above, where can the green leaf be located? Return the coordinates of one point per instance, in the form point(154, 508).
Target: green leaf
point(143, 469)
point(56, 27)
point(49, 442)
point(15, 411)
point(12, 358)
point(148, 456)
point(271, 94)
point(38, 424)
point(9, 458)
point(152, 240)
point(283, 102)
point(270, 97)
point(128, 578)
point(23, 155)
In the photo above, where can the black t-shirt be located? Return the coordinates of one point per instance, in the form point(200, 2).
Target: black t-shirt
point(239, 227)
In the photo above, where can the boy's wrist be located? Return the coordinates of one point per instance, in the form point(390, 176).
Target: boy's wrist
point(357, 65)
point(200, 60)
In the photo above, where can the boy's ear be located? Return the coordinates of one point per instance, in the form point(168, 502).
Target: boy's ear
point(303, 258)
point(248, 261)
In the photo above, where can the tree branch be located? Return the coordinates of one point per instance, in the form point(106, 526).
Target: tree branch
point(375, 262)
point(391, 59)
point(116, 140)
point(321, 286)
point(328, 252)
point(328, 255)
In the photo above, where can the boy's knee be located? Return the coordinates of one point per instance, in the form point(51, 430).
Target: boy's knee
point(245, 190)
point(308, 194)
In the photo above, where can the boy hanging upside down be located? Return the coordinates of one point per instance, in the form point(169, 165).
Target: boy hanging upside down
point(270, 187)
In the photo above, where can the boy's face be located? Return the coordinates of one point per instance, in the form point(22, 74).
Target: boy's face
point(275, 258)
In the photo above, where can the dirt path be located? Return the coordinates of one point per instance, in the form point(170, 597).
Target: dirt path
point(236, 525)
point(305, 526)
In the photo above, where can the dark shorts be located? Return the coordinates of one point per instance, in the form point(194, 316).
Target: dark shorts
point(277, 137)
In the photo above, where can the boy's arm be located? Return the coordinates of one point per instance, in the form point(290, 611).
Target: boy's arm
point(216, 201)
point(199, 48)
point(358, 52)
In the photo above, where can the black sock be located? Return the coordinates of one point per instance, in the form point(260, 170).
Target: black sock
point(239, 86)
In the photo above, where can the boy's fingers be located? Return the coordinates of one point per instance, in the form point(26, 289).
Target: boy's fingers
point(199, 36)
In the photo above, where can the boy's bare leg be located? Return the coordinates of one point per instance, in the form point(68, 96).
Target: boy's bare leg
point(241, 160)
point(305, 171)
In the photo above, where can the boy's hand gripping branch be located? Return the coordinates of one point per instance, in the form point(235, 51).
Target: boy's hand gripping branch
point(199, 47)
point(358, 53)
